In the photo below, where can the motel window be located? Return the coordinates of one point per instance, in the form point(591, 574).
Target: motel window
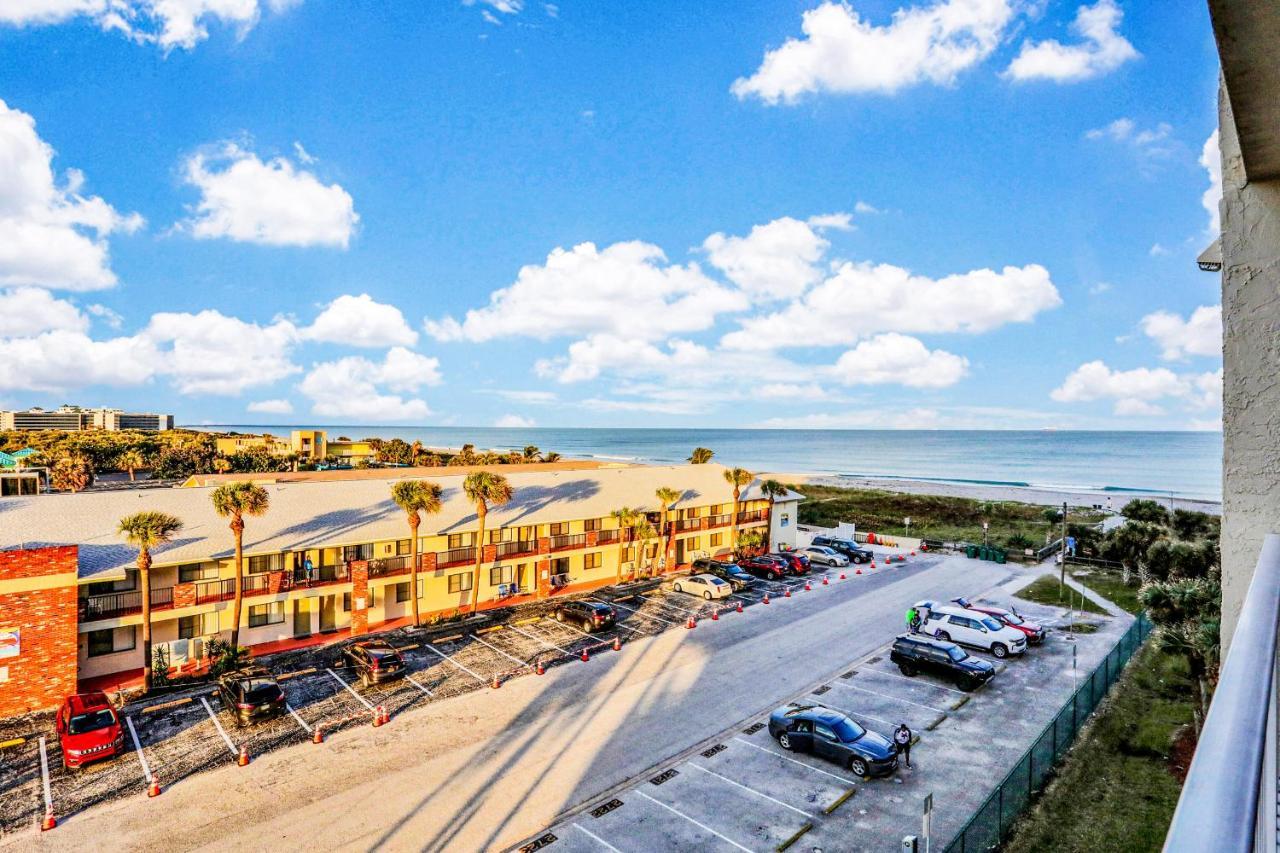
point(525, 534)
point(357, 552)
point(591, 561)
point(111, 640)
point(266, 614)
point(560, 566)
point(629, 554)
point(188, 627)
point(460, 540)
point(460, 582)
point(559, 528)
point(499, 575)
point(495, 536)
point(692, 512)
point(402, 593)
point(191, 572)
point(591, 524)
point(717, 539)
point(693, 543)
point(403, 547)
point(346, 602)
point(259, 565)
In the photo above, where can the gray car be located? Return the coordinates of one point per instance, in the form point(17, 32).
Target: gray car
point(825, 556)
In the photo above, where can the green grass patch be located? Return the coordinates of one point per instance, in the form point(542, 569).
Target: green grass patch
point(1047, 589)
point(1117, 789)
point(1082, 628)
point(1110, 585)
point(950, 519)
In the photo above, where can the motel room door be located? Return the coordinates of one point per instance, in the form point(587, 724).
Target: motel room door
point(679, 553)
point(302, 617)
point(328, 613)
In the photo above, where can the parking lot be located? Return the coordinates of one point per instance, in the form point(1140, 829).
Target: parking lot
point(742, 791)
point(168, 741)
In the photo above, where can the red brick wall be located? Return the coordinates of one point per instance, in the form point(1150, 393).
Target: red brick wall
point(359, 594)
point(44, 672)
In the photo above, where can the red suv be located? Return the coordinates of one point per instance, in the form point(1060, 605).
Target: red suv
point(1035, 633)
point(797, 564)
point(764, 566)
point(88, 729)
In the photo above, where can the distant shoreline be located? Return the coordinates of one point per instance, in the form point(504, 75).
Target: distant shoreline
point(998, 492)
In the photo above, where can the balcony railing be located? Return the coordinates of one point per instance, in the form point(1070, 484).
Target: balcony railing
point(517, 549)
point(455, 557)
point(571, 540)
point(391, 566)
point(720, 520)
point(608, 537)
point(752, 516)
point(115, 604)
point(688, 524)
point(1228, 802)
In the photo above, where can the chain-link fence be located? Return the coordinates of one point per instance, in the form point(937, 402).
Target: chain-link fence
point(992, 821)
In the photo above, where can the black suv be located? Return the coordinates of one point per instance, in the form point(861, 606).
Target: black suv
point(734, 576)
point(847, 547)
point(588, 615)
point(251, 694)
point(375, 661)
point(914, 654)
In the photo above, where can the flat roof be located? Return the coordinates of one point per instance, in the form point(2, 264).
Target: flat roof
point(332, 514)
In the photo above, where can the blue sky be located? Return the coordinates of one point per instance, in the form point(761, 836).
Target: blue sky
point(975, 213)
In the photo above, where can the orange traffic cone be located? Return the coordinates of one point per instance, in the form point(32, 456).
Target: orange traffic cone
point(317, 735)
point(153, 790)
point(377, 716)
point(807, 588)
point(913, 553)
point(617, 644)
point(787, 594)
point(766, 599)
point(826, 582)
point(243, 758)
point(715, 615)
point(540, 669)
point(496, 683)
point(585, 656)
point(739, 606)
point(49, 821)
point(842, 576)
point(873, 565)
point(692, 623)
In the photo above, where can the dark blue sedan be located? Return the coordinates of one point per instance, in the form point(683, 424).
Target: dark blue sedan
point(832, 735)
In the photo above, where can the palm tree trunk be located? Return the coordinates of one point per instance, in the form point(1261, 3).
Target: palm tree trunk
point(622, 551)
point(481, 511)
point(768, 528)
point(237, 527)
point(131, 474)
point(413, 574)
point(144, 581)
point(733, 527)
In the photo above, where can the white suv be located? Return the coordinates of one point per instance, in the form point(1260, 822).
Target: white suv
point(971, 628)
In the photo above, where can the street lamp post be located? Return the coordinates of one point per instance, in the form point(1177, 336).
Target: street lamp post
point(985, 526)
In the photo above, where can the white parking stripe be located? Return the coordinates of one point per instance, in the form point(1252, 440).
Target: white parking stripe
point(644, 615)
point(537, 639)
point(44, 774)
point(792, 760)
point(501, 652)
point(142, 759)
point(410, 679)
point(431, 648)
point(596, 838)
point(678, 813)
point(854, 714)
point(749, 789)
point(363, 701)
point(912, 680)
point(306, 728)
point(231, 746)
point(888, 696)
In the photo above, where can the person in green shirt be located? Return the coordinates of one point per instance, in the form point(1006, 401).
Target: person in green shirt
point(913, 619)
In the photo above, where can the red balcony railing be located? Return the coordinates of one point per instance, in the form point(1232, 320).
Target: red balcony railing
point(752, 516)
point(688, 524)
point(720, 520)
point(568, 541)
point(608, 537)
point(116, 604)
point(517, 549)
point(455, 557)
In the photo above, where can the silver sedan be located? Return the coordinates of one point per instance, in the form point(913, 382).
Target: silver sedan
point(825, 556)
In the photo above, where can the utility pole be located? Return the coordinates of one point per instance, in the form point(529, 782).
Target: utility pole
point(1063, 551)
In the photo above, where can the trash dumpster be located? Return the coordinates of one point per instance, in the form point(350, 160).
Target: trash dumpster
point(971, 551)
point(998, 554)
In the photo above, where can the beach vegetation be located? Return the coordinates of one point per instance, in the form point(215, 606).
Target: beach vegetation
point(701, 455)
point(1145, 510)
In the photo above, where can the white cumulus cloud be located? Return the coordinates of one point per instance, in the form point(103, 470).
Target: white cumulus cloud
point(50, 234)
point(514, 422)
point(627, 289)
point(64, 359)
point(211, 353)
point(27, 311)
point(1211, 160)
point(270, 202)
point(1198, 334)
point(356, 387)
point(843, 53)
point(900, 360)
point(359, 321)
point(777, 260)
point(1139, 391)
point(271, 407)
point(1101, 49)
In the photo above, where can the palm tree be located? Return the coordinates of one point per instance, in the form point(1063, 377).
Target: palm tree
point(221, 465)
point(626, 518)
point(415, 453)
point(235, 501)
point(532, 453)
point(642, 531)
point(771, 489)
point(737, 477)
point(666, 497)
point(72, 472)
point(701, 455)
point(551, 457)
point(131, 460)
point(147, 530)
point(484, 489)
point(414, 497)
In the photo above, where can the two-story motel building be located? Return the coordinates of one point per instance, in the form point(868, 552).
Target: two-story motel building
point(555, 537)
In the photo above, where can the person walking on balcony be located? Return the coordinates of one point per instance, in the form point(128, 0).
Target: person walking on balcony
point(308, 569)
point(902, 740)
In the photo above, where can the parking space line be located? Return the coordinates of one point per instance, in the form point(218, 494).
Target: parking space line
point(888, 696)
point(501, 652)
point(749, 790)
point(306, 728)
point(912, 680)
point(596, 838)
point(44, 775)
point(137, 745)
point(413, 681)
point(793, 760)
point(431, 648)
point(363, 701)
point(231, 746)
point(678, 813)
point(537, 639)
point(855, 714)
point(645, 615)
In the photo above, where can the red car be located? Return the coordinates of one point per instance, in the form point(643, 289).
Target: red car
point(88, 729)
point(1035, 633)
point(798, 564)
point(764, 566)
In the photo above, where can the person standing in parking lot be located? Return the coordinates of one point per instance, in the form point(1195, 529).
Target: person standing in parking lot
point(913, 619)
point(902, 740)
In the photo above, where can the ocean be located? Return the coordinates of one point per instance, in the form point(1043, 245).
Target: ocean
point(1178, 464)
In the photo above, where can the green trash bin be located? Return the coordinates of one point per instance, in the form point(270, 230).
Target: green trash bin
point(984, 553)
point(971, 551)
point(999, 555)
